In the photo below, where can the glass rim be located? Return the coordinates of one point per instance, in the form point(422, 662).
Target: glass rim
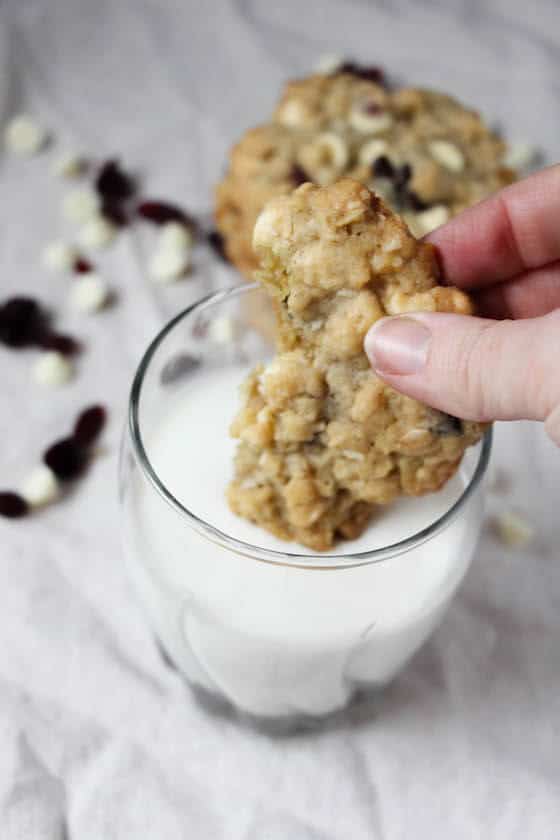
point(256, 552)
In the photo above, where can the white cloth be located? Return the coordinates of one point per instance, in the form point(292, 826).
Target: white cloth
point(99, 739)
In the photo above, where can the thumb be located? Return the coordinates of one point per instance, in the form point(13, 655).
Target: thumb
point(474, 368)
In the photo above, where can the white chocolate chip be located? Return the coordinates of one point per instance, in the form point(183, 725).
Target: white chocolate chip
point(89, 294)
point(23, 136)
point(222, 330)
point(333, 149)
point(97, 233)
point(396, 303)
point(316, 325)
point(52, 369)
point(430, 219)
point(370, 151)
point(416, 436)
point(264, 415)
point(353, 455)
point(40, 487)
point(174, 236)
point(59, 256)
point(272, 369)
point(378, 262)
point(168, 265)
point(520, 156)
point(448, 155)
point(393, 244)
point(173, 253)
point(366, 123)
point(292, 114)
point(328, 64)
point(265, 230)
point(513, 529)
point(80, 205)
point(69, 165)
point(324, 157)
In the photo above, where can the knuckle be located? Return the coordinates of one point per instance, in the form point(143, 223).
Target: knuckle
point(477, 386)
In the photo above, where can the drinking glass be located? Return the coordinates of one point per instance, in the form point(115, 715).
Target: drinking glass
point(279, 634)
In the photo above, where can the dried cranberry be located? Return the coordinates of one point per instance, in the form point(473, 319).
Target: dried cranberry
point(64, 344)
point(114, 212)
point(403, 174)
point(82, 266)
point(413, 200)
point(66, 459)
point(12, 505)
point(372, 108)
point(362, 71)
point(22, 322)
point(113, 184)
point(407, 199)
point(383, 168)
point(89, 425)
point(447, 424)
point(160, 212)
point(298, 175)
point(216, 242)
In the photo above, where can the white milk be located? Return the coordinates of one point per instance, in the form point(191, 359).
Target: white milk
point(277, 639)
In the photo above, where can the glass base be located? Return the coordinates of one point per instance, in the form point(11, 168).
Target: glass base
point(362, 705)
point(280, 640)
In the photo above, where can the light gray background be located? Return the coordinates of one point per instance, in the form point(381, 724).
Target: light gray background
point(99, 740)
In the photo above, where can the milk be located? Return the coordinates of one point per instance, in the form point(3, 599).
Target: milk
point(278, 639)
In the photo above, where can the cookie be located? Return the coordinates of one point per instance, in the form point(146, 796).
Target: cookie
point(323, 441)
point(426, 154)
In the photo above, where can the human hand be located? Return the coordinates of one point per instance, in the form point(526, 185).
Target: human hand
point(506, 365)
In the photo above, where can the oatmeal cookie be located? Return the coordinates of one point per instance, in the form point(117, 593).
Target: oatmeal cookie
point(323, 441)
point(427, 155)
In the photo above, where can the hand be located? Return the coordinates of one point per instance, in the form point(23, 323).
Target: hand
point(506, 252)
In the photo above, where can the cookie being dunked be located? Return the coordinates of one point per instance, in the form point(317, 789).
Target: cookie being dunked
point(323, 441)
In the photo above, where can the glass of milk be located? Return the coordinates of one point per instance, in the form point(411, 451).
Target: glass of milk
point(274, 629)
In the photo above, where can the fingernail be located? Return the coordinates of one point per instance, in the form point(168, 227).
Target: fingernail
point(397, 345)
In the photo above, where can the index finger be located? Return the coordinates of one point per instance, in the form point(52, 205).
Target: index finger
point(504, 236)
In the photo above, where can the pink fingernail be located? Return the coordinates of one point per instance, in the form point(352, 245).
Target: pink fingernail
point(397, 345)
